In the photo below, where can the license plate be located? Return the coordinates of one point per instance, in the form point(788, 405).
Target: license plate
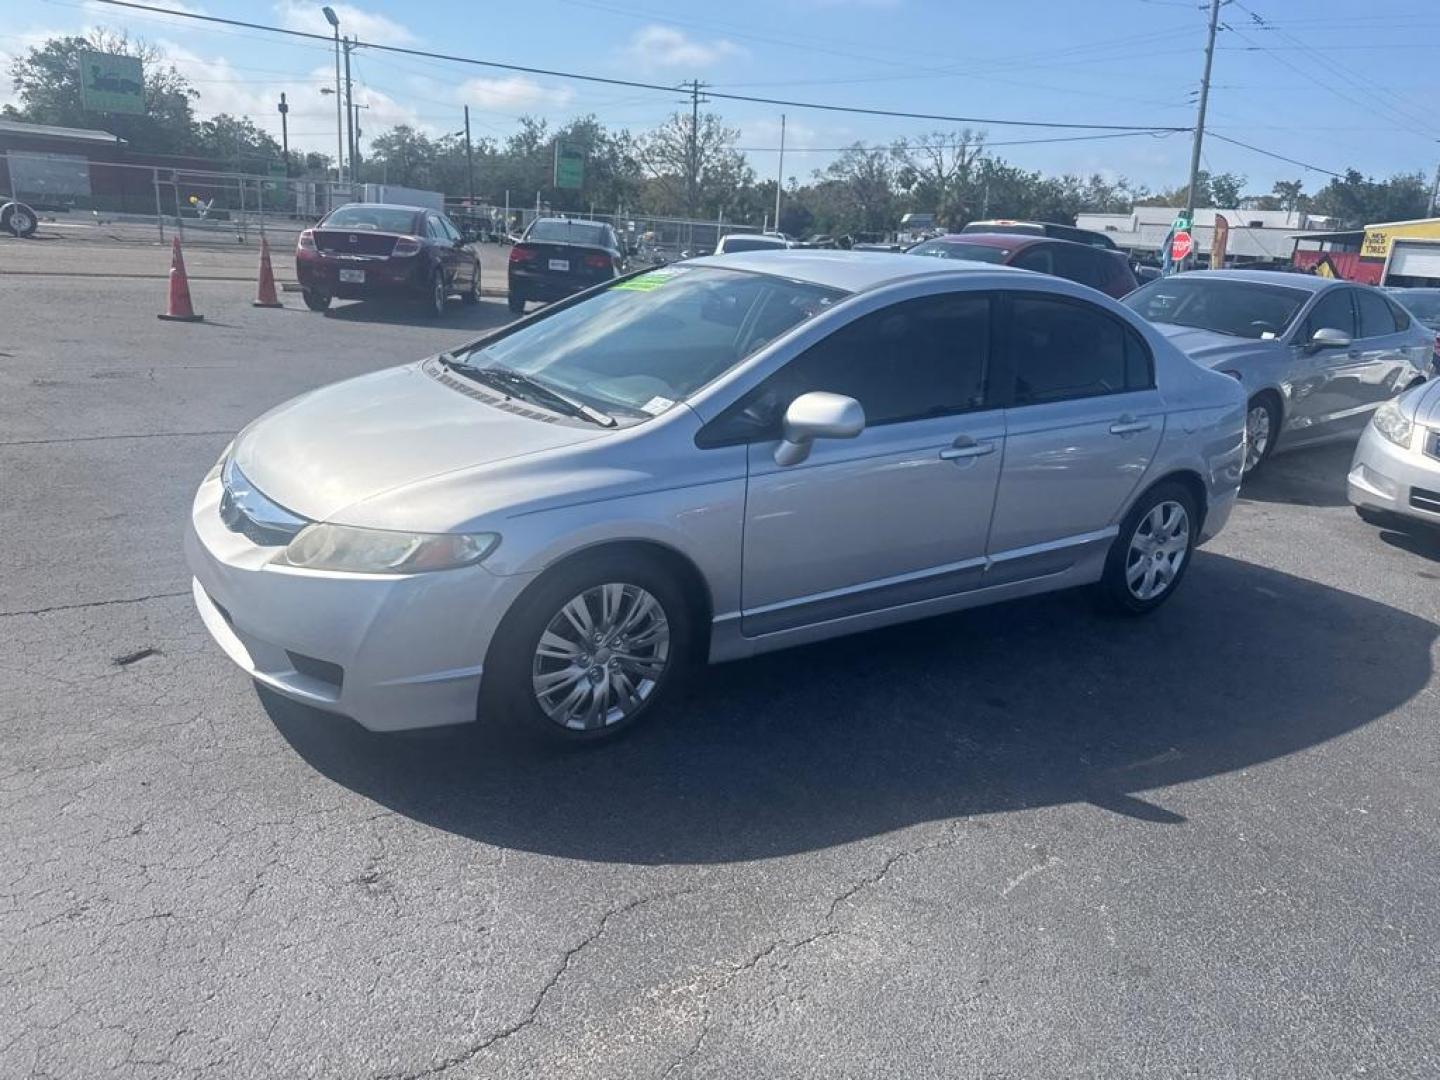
point(353, 277)
point(559, 264)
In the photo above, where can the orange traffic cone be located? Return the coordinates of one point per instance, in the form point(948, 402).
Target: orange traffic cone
point(179, 309)
point(265, 295)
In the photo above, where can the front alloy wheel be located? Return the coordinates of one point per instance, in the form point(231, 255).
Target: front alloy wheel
point(1259, 433)
point(601, 657)
point(1158, 550)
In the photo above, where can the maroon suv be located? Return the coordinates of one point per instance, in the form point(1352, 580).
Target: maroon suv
point(368, 250)
point(1100, 268)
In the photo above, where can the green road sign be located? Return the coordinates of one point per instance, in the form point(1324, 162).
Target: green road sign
point(112, 84)
point(569, 166)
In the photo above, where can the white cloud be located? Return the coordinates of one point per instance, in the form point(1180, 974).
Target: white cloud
point(113, 16)
point(306, 16)
point(657, 46)
point(513, 92)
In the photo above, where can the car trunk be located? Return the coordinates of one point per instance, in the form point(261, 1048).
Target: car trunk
point(357, 242)
point(549, 256)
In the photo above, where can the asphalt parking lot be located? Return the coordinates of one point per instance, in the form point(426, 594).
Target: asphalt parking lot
point(1027, 841)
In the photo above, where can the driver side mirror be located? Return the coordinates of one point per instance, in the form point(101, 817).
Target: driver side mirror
point(1327, 338)
point(817, 415)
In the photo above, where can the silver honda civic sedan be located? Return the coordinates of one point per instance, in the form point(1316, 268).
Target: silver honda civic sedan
point(705, 461)
point(1316, 356)
point(1396, 470)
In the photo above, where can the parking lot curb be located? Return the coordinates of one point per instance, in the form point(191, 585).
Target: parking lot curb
point(285, 286)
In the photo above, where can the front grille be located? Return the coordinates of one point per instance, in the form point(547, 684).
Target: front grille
point(1421, 499)
point(320, 670)
point(247, 511)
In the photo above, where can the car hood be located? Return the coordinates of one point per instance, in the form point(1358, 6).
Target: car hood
point(1211, 349)
point(1423, 404)
point(326, 450)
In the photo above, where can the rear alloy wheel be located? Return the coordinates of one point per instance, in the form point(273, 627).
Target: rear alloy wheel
point(472, 294)
point(315, 301)
point(594, 647)
point(435, 304)
point(1262, 424)
point(1152, 551)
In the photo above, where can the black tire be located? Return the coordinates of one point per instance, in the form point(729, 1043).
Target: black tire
point(508, 695)
point(472, 294)
point(19, 220)
point(1115, 589)
point(436, 295)
point(516, 304)
point(315, 301)
point(1266, 401)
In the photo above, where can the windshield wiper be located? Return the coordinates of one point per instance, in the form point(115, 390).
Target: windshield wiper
point(509, 381)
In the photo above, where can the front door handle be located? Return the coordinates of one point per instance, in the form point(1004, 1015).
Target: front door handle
point(1128, 425)
point(967, 449)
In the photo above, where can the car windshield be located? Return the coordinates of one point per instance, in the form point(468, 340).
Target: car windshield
point(733, 244)
point(951, 249)
point(372, 219)
point(647, 342)
point(1424, 304)
point(1244, 309)
point(567, 232)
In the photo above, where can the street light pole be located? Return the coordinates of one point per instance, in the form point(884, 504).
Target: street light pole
point(285, 131)
point(349, 112)
point(469, 156)
point(780, 173)
point(334, 21)
point(1200, 117)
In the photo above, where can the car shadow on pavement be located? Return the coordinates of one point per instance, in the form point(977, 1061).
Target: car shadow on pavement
point(485, 315)
point(1033, 703)
point(1313, 477)
point(1419, 540)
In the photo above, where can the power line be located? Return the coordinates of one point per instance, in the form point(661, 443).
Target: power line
point(986, 145)
point(817, 106)
point(1278, 157)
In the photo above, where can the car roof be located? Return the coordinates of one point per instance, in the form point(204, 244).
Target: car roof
point(386, 206)
point(1005, 240)
point(565, 221)
point(1303, 282)
point(769, 238)
point(852, 271)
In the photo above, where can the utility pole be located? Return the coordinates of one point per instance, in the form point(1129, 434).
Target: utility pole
point(334, 21)
point(1435, 192)
point(1200, 117)
point(349, 113)
point(692, 157)
point(469, 156)
point(780, 173)
point(285, 131)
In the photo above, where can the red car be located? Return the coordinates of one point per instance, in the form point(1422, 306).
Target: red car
point(1100, 268)
point(370, 250)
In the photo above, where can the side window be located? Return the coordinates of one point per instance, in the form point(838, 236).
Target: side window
point(1064, 349)
point(1376, 318)
point(916, 359)
point(1036, 257)
point(1333, 312)
point(432, 228)
point(448, 228)
point(1079, 264)
point(1400, 315)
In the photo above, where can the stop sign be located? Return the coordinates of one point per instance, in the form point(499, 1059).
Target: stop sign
point(1180, 246)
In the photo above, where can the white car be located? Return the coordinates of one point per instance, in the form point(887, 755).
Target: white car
point(729, 245)
point(1396, 469)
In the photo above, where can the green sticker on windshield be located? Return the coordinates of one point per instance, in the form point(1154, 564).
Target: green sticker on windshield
point(650, 280)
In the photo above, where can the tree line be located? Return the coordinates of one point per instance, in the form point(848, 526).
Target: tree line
point(865, 189)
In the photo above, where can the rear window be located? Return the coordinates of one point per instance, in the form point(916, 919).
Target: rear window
point(1239, 308)
point(957, 249)
point(733, 244)
point(567, 232)
point(372, 219)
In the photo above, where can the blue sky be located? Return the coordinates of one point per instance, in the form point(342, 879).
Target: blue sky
point(1335, 83)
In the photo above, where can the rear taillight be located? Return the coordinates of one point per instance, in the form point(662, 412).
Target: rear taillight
point(598, 261)
point(406, 245)
point(519, 253)
point(307, 241)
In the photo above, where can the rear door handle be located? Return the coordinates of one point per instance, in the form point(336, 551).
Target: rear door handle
point(1128, 425)
point(969, 449)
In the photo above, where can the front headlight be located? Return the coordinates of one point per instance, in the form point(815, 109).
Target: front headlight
point(380, 551)
point(1391, 423)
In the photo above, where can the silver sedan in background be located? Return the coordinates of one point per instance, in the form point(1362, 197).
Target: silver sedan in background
point(1316, 356)
point(706, 461)
point(1396, 470)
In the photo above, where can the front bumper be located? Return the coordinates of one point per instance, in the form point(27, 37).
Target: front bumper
point(1394, 480)
point(390, 651)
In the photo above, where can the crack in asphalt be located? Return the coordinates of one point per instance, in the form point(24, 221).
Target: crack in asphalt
point(107, 438)
point(95, 603)
point(533, 1011)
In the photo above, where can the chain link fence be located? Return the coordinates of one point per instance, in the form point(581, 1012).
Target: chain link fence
point(122, 201)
